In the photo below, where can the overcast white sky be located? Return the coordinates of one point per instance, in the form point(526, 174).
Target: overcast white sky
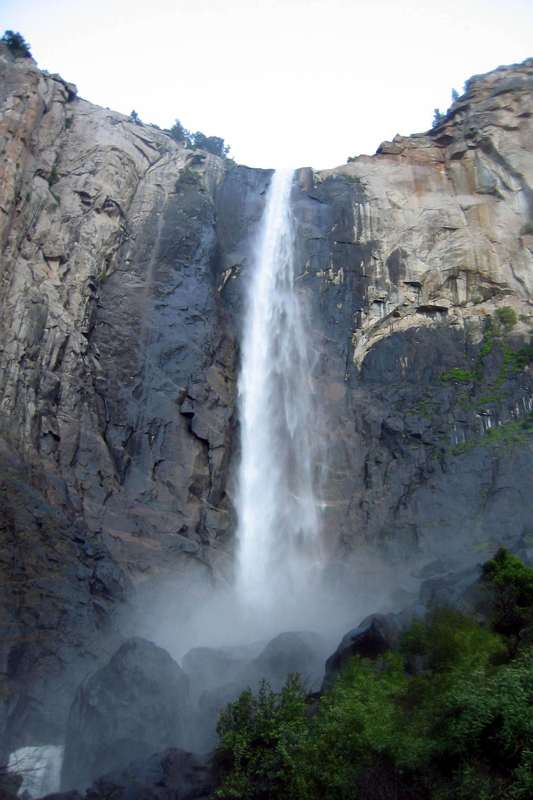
point(284, 82)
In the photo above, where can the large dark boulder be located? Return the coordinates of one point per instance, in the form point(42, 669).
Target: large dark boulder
point(135, 705)
point(174, 775)
point(224, 673)
point(210, 667)
point(375, 635)
point(303, 652)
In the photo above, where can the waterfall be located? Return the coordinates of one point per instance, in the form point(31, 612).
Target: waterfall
point(278, 517)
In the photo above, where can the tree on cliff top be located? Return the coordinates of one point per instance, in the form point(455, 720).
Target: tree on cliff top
point(17, 44)
point(211, 144)
point(199, 141)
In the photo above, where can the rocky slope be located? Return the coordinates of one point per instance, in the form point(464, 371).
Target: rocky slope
point(124, 258)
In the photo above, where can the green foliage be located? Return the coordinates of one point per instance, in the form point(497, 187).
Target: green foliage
point(28, 197)
point(527, 229)
point(455, 96)
point(260, 741)
point(512, 586)
point(68, 122)
point(17, 44)
point(460, 729)
point(54, 177)
point(134, 116)
point(507, 316)
point(451, 641)
point(457, 374)
point(522, 357)
point(199, 141)
point(211, 144)
point(510, 433)
point(188, 177)
point(180, 134)
point(437, 117)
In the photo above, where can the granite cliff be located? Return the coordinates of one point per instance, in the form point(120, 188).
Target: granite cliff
point(124, 258)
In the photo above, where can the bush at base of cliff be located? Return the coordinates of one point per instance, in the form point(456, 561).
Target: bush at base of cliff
point(260, 739)
point(459, 726)
point(512, 586)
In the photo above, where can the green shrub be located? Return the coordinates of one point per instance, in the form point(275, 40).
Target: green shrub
point(17, 44)
point(511, 583)
point(68, 122)
point(211, 144)
point(437, 117)
point(527, 229)
point(457, 374)
point(260, 737)
point(507, 316)
point(188, 177)
point(452, 641)
point(510, 433)
point(54, 177)
point(522, 357)
point(180, 134)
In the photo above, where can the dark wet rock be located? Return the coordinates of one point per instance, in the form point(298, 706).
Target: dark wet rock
point(210, 704)
point(10, 783)
point(459, 589)
point(136, 704)
point(210, 667)
point(59, 593)
point(174, 775)
point(376, 634)
point(73, 795)
point(300, 652)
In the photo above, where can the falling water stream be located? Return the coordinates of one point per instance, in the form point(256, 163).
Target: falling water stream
point(278, 516)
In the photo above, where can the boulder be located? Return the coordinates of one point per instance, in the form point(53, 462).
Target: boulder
point(210, 667)
point(375, 635)
point(137, 704)
point(301, 651)
point(174, 775)
point(228, 671)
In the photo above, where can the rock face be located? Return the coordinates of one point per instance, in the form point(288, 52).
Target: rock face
point(122, 284)
point(59, 589)
point(175, 775)
point(137, 704)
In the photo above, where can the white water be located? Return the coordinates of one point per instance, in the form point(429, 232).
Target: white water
point(40, 768)
point(278, 515)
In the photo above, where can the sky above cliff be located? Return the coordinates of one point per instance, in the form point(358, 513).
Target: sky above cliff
point(284, 82)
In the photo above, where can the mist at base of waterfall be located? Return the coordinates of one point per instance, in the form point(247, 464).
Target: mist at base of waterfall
point(188, 610)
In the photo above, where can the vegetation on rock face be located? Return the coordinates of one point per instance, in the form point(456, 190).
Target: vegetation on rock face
point(187, 177)
point(17, 44)
point(447, 715)
point(199, 141)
